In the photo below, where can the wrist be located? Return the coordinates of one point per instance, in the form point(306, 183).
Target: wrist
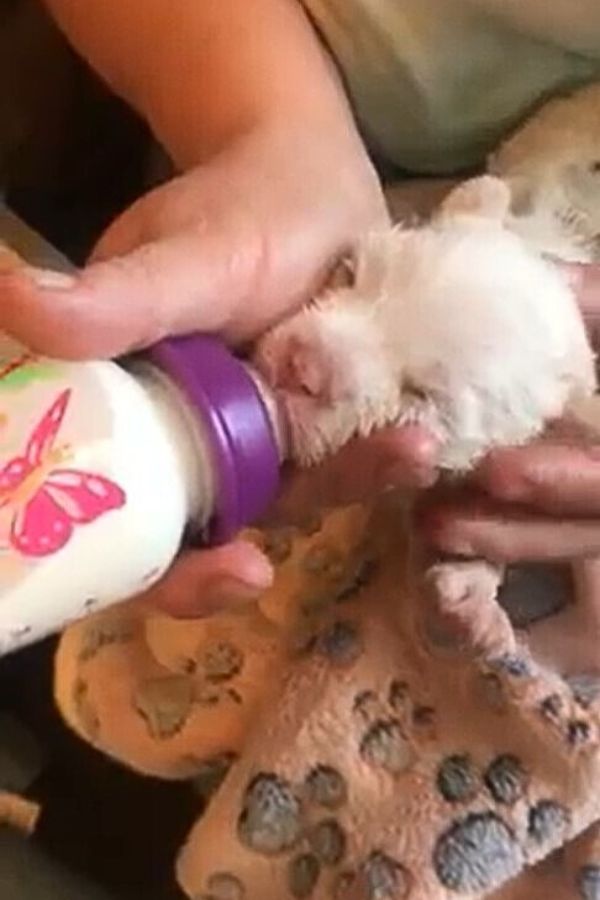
point(193, 129)
point(187, 133)
point(264, 138)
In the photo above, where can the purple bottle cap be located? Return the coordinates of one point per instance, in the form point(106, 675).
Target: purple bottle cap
point(243, 444)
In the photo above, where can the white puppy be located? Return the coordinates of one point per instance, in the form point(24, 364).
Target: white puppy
point(457, 324)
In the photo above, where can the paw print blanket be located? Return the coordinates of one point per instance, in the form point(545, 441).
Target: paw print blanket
point(352, 750)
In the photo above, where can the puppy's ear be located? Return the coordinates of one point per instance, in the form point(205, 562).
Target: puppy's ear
point(486, 197)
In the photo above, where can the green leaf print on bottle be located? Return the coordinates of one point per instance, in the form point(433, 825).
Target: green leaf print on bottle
point(25, 370)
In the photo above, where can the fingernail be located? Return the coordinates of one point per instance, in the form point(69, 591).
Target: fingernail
point(231, 592)
point(499, 479)
point(442, 533)
point(49, 279)
point(448, 542)
point(256, 572)
point(404, 475)
point(455, 546)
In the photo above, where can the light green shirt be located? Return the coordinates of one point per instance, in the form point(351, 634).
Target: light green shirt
point(436, 84)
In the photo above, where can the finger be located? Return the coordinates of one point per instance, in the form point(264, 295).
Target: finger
point(391, 458)
point(585, 281)
point(204, 582)
point(175, 285)
point(553, 478)
point(508, 535)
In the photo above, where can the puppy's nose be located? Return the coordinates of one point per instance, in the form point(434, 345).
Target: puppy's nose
point(302, 372)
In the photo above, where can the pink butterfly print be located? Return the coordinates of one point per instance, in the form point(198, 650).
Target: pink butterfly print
point(46, 501)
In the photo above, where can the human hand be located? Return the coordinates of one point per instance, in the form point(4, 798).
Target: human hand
point(226, 248)
point(535, 503)
point(203, 582)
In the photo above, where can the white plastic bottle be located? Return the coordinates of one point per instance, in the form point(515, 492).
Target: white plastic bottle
point(104, 469)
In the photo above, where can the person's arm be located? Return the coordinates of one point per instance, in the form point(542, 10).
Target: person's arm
point(203, 72)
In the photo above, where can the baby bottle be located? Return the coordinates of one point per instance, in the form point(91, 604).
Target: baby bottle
point(104, 470)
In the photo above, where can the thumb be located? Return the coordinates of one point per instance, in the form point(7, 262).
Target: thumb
point(202, 582)
point(173, 285)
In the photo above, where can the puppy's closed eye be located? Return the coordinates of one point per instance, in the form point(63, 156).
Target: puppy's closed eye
point(343, 273)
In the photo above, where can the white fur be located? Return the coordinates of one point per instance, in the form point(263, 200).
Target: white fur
point(456, 324)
